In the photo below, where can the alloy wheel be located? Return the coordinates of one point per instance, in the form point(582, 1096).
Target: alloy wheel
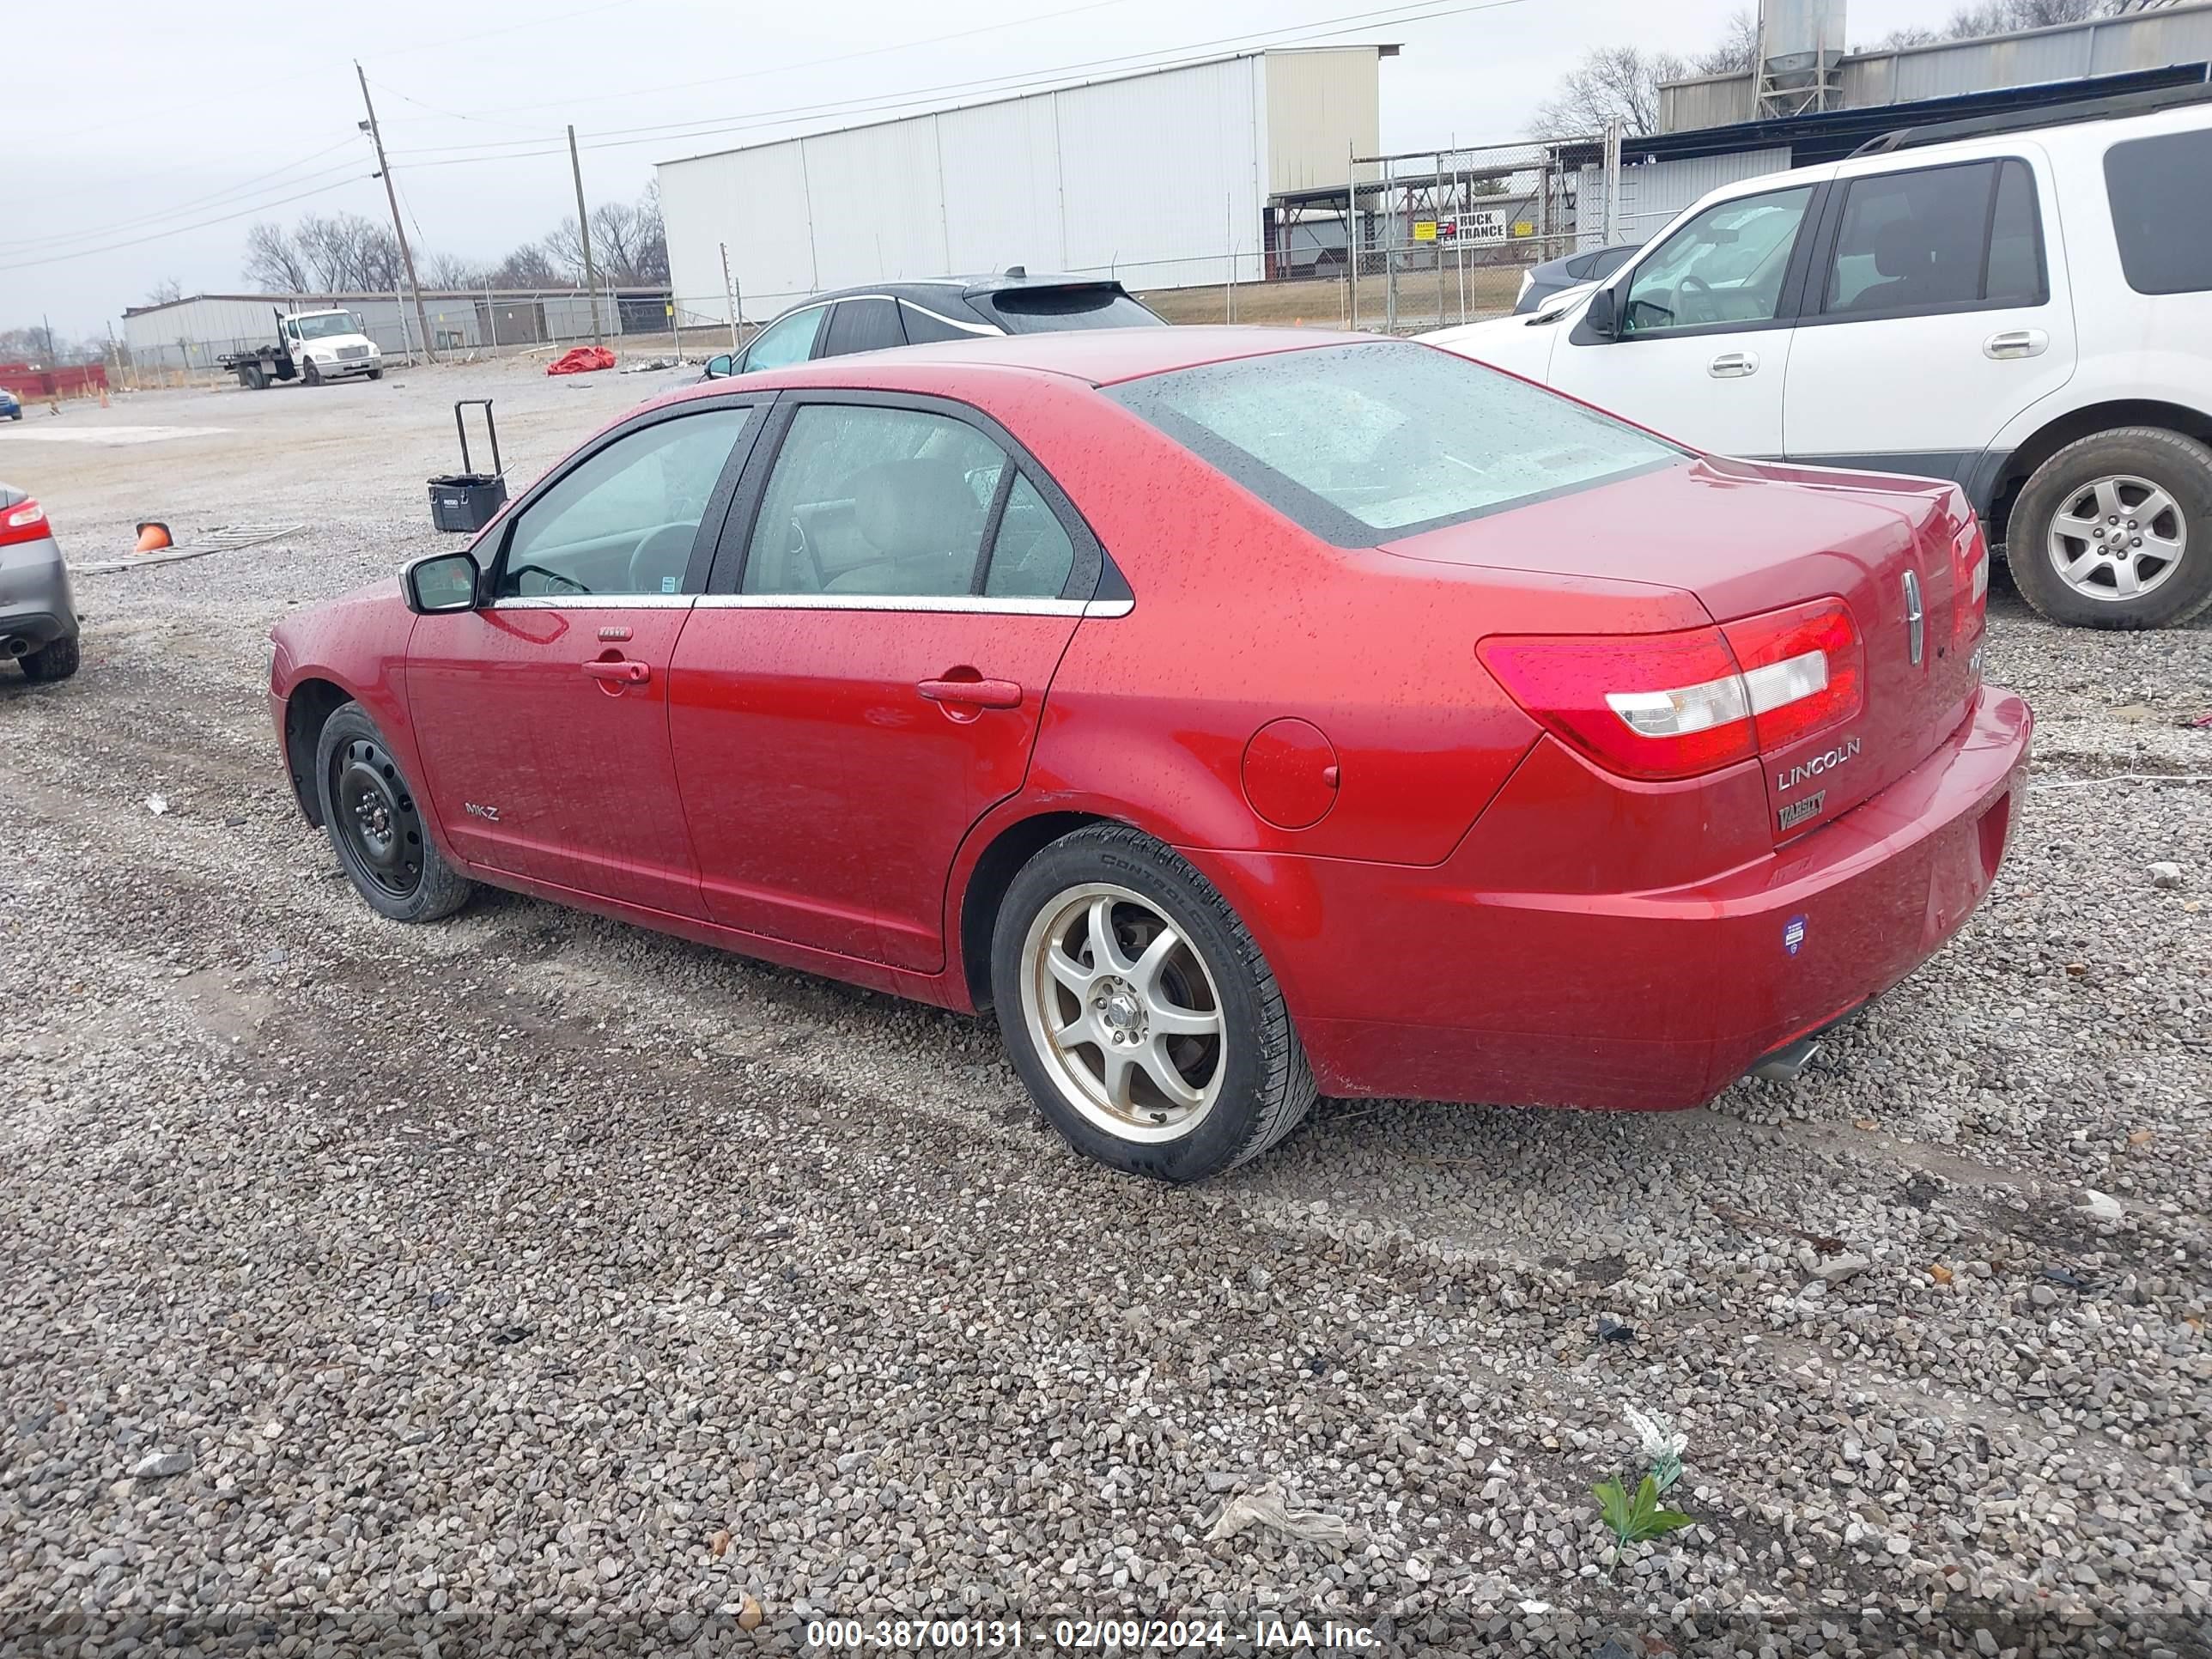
point(2118, 538)
point(377, 817)
point(1124, 1013)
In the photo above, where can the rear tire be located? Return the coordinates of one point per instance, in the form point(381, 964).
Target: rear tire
point(57, 659)
point(1164, 1051)
point(378, 826)
point(2130, 508)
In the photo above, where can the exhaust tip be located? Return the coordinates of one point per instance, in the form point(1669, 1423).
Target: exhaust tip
point(16, 646)
point(1788, 1063)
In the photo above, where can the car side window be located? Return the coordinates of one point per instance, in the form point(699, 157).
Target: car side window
point(1031, 554)
point(1934, 239)
point(862, 326)
point(624, 521)
point(2166, 245)
point(785, 341)
point(870, 499)
point(1726, 265)
point(922, 326)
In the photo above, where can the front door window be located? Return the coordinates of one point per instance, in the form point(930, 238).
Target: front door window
point(1725, 266)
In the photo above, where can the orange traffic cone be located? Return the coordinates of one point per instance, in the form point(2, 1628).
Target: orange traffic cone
point(152, 537)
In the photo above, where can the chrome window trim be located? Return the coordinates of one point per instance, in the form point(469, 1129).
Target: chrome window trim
point(591, 602)
point(957, 604)
point(985, 330)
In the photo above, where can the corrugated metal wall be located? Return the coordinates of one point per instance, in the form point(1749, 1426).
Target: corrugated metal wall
point(2065, 52)
point(1653, 194)
point(1160, 178)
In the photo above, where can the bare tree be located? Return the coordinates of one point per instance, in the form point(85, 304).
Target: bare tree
point(629, 244)
point(528, 266)
point(448, 271)
point(1736, 51)
point(346, 253)
point(564, 248)
point(273, 260)
point(1998, 17)
point(167, 291)
point(1612, 84)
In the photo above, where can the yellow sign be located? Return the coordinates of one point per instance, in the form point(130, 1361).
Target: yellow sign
point(1425, 230)
point(1524, 227)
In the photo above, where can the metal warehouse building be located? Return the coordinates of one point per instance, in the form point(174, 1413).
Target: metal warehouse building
point(1161, 179)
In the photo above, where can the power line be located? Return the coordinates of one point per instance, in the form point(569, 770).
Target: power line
point(181, 210)
point(1014, 82)
point(179, 230)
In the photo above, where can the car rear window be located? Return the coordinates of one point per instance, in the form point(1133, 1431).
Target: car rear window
point(2166, 243)
point(1041, 310)
point(1362, 444)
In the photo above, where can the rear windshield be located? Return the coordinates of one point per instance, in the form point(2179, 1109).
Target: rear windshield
point(1041, 310)
point(1362, 444)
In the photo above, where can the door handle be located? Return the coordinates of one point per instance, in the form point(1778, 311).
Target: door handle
point(623, 673)
point(975, 693)
point(1733, 365)
point(2016, 343)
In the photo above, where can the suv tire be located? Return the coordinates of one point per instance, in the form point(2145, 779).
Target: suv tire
point(2088, 498)
point(1180, 994)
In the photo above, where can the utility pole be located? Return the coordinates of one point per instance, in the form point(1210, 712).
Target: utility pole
point(584, 234)
point(391, 195)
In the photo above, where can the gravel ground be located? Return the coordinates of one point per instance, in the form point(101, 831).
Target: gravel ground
point(536, 1282)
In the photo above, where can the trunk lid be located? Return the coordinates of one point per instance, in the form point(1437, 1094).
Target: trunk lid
point(1747, 539)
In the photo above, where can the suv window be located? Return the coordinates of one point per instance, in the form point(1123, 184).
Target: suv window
point(1362, 444)
point(1726, 265)
point(1936, 239)
point(862, 326)
point(870, 499)
point(2166, 244)
point(623, 521)
point(1084, 305)
point(922, 326)
point(788, 340)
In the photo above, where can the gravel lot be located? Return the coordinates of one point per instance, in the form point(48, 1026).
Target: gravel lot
point(541, 1284)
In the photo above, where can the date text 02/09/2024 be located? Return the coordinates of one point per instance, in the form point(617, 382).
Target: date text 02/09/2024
point(1126, 1635)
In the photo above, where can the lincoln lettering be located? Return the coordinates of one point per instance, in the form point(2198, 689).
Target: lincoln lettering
point(1806, 770)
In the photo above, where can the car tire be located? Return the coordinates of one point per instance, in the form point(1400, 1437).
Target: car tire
point(311, 374)
point(2097, 486)
point(1244, 1081)
point(377, 825)
point(57, 659)
point(375, 373)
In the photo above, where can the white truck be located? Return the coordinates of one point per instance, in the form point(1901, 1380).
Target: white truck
point(2021, 304)
point(313, 346)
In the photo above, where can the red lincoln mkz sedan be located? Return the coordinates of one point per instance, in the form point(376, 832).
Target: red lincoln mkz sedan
point(1236, 711)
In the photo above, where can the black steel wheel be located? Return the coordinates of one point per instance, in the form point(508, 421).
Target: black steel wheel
point(311, 374)
point(377, 826)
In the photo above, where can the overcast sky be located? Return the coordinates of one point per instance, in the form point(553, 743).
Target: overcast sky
point(126, 125)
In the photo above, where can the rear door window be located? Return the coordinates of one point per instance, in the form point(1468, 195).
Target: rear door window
point(2161, 189)
point(870, 324)
point(1935, 239)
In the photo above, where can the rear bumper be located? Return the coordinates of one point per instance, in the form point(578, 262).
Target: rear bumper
point(36, 606)
point(1421, 982)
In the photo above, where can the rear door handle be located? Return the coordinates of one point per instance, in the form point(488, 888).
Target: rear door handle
point(2016, 343)
point(1733, 365)
point(623, 673)
point(976, 693)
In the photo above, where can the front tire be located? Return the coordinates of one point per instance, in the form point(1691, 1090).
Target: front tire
point(57, 659)
point(376, 374)
point(311, 374)
point(376, 824)
point(2115, 531)
point(1139, 1012)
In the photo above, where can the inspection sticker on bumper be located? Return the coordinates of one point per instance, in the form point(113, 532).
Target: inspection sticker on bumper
point(1793, 934)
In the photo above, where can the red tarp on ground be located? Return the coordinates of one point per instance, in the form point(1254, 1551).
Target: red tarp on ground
point(582, 361)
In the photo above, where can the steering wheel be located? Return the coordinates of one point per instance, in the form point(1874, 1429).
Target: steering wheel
point(1695, 287)
point(671, 543)
point(569, 582)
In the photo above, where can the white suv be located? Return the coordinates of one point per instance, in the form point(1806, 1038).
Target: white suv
point(2021, 303)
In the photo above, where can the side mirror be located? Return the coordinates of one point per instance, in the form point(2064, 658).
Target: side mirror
point(444, 581)
point(718, 368)
point(1603, 314)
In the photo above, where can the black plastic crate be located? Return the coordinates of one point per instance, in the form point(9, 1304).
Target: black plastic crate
point(466, 501)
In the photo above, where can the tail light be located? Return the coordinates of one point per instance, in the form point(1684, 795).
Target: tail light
point(1663, 706)
point(1970, 579)
point(26, 521)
